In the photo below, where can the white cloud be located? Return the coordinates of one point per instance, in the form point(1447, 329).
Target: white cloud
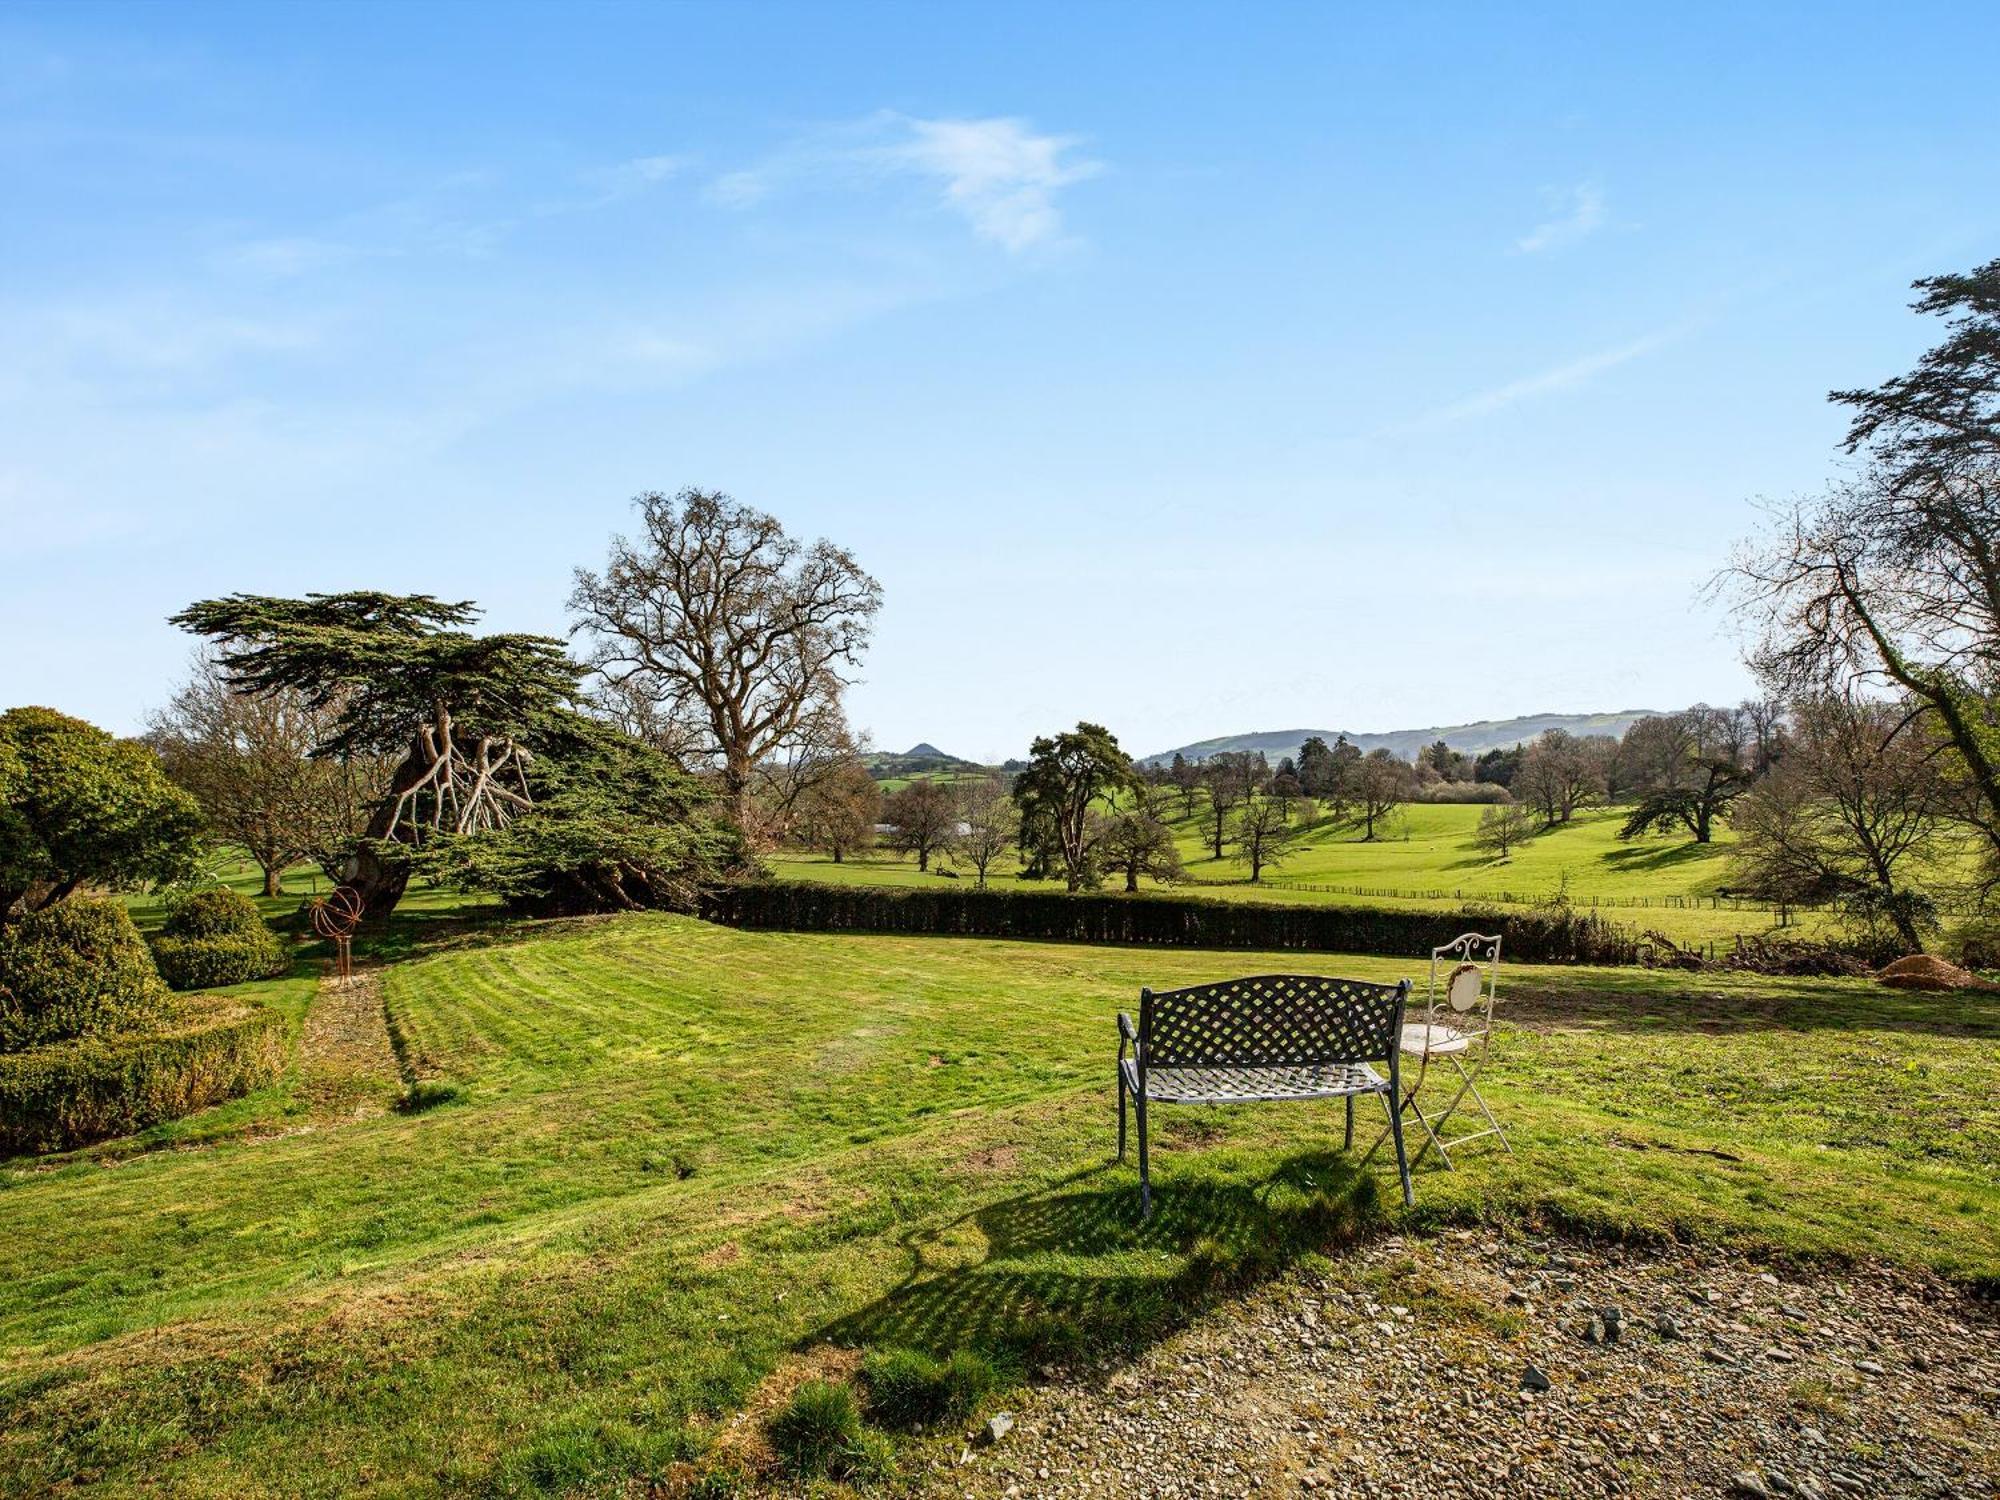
point(1566, 376)
point(1579, 213)
point(633, 176)
point(294, 255)
point(998, 173)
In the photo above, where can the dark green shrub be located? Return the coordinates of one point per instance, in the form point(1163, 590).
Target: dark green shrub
point(77, 969)
point(211, 913)
point(212, 962)
point(819, 1435)
point(214, 938)
point(67, 1093)
point(910, 1390)
point(1544, 936)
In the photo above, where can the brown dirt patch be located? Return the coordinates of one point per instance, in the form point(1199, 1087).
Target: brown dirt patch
point(1921, 971)
point(740, 1444)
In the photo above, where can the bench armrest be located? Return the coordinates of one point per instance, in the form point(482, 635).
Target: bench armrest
point(1126, 1029)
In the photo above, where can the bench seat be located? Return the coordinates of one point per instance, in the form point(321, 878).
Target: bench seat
point(1241, 1085)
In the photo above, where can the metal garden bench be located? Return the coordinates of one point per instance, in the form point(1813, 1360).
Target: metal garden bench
point(1277, 1036)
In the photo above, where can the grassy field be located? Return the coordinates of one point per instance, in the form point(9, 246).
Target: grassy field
point(679, 1157)
point(1425, 858)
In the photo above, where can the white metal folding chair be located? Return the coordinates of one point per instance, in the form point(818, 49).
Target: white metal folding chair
point(1457, 1029)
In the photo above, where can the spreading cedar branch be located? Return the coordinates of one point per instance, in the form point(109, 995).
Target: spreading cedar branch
point(402, 678)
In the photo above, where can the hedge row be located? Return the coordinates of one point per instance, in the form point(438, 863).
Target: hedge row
point(68, 1093)
point(1530, 937)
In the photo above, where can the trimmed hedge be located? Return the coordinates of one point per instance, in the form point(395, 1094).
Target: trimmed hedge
point(1529, 937)
point(76, 969)
point(215, 938)
point(72, 1092)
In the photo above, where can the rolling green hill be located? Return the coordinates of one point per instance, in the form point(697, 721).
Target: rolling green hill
point(1472, 739)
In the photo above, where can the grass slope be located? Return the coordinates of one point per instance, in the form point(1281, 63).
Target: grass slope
point(681, 1153)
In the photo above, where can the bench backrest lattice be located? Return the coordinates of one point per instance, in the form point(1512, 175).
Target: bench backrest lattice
point(1271, 1020)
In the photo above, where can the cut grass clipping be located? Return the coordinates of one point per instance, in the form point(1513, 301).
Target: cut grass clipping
point(819, 1436)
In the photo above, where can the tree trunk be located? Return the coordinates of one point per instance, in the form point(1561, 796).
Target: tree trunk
point(1132, 879)
point(273, 878)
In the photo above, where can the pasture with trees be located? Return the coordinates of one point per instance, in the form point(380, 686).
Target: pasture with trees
point(529, 1204)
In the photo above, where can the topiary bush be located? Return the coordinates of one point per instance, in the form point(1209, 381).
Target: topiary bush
point(214, 938)
point(76, 969)
point(71, 1092)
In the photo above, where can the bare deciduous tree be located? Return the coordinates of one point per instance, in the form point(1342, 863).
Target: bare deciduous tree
point(838, 811)
point(1849, 813)
point(1894, 578)
point(247, 759)
point(1560, 773)
point(921, 818)
point(1263, 835)
point(1137, 843)
point(988, 825)
point(1375, 786)
point(723, 624)
point(1501, 827)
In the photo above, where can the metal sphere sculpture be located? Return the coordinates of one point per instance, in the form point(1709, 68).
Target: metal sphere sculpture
point(335, 918)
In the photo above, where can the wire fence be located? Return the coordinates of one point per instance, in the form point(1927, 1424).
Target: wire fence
point(1716, 902)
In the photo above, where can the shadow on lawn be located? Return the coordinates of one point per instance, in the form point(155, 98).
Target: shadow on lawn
point(1071, 1269)
point(1632, 1001)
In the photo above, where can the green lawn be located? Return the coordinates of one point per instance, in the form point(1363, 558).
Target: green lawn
point(682, 1154)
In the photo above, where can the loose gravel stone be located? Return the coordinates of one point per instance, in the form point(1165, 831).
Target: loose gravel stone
point(1295, 1390)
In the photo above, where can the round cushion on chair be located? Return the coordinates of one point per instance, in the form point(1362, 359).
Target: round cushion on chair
point(1462, 989)
point(1433, 1041)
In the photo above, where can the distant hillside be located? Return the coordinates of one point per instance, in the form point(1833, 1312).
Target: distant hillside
point(921, 759)
point(1473, 739)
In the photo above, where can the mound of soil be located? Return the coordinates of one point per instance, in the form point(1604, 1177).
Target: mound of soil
point(1923, 972)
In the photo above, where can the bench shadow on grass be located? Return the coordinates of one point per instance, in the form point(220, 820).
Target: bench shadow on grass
point(1072, 1271)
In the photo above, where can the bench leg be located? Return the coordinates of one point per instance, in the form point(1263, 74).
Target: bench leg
point(1348, 1144)
point(1402, 1157)
point(1145, 1162)
point(1121, 1114)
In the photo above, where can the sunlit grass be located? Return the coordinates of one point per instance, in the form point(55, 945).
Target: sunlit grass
point(677, 1152)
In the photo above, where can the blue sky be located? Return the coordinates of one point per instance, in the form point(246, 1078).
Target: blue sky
point(1193, 370)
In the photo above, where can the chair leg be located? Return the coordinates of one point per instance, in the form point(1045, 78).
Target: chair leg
point(1431, 1137)
point(1348, 1144)
point(1505, 1144)
point(1145, 1161)
point(1402, 1157)
point(1121, 1114)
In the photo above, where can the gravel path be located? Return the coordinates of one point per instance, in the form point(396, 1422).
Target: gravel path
point(348, 1064)
point(1418, 1367)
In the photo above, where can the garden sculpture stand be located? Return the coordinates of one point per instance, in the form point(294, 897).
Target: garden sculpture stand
point(335, 919)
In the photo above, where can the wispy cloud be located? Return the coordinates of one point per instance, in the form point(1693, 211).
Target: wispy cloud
point(1578, 213)
point(627, 178)
point(999, 174)
point(1567, 376)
